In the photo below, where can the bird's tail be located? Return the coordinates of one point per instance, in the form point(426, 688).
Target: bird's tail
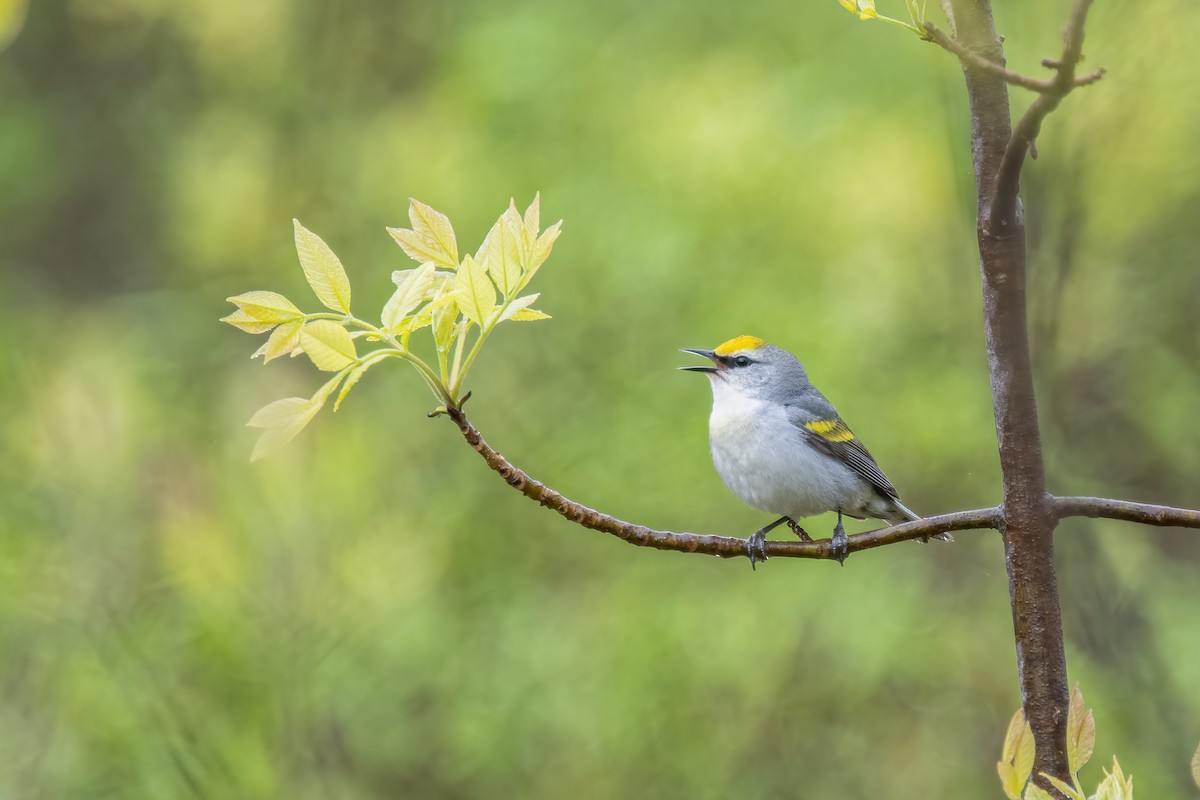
point(905, 514)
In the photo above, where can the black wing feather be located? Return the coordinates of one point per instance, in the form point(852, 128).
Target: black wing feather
point(852, 453)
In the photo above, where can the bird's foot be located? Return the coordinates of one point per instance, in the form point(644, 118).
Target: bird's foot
point(796, 529)
point(841, 545)
point(756, 546)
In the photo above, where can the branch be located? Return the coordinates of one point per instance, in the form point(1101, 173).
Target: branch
point(969, 56)
point(723, 546)
point(1003, 211)
point(1101, 507)
point(1028, 524)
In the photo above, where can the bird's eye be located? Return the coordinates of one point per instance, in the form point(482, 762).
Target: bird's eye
point(741, 361)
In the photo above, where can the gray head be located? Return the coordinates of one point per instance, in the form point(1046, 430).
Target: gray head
point(748, 366)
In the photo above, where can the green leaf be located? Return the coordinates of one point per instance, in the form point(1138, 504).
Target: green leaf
point(417, 287)
point(352, 379)
point(282, 419)
point(500, 253)
point(1081, 732)
point(266, 306)
point(243, 321)
point(1196, 767)
point(328, 345)
point(473, 292)
point(1064, 787)
point(323, 270)
point(282, 341)
point(431, 237)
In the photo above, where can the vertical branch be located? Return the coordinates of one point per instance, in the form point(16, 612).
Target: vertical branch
point(1028, 525)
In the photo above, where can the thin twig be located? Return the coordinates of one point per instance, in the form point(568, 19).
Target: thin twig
point(1104, 508)
point(724, 546)
point(1003, 210)
point(964, 53)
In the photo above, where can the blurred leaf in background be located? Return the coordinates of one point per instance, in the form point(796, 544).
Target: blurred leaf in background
point(371, 613)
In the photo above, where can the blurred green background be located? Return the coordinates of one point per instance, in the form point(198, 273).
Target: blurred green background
point(371, 613)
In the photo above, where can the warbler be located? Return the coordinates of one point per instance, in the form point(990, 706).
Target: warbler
point(781, 446)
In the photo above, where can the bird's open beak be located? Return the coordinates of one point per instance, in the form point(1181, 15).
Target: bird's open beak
point(709, 354)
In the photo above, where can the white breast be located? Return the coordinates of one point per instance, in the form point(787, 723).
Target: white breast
point(764, 460)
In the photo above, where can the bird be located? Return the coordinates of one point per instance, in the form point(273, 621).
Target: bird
point(782, 447)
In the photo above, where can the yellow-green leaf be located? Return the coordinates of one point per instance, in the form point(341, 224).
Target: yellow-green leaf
point(431, 237)
point(445, 319)
point(1016, 756)
point(243, 321)
point(1115, 785)
point(322, 269)
point(500, 253)
point(865, 9)
point(1064, 787)
point(541, 251)
point(283, 419)
point(519, 305)
point(1035, 792)
point(1081, 732)
point(473, 292)
point(328, 345)
point(12, 19)
point(352, 379)
point(266, 306)
point(1025, 754)
point(417, 287)
point(529, 315)
point(1196, 767)
point(533, 215)
point(281, 341)
point(441, 276)
point(1009, 781)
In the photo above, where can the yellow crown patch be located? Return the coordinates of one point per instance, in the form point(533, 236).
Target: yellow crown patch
point(738, 343)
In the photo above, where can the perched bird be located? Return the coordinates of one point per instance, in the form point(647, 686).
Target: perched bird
point(780, 445)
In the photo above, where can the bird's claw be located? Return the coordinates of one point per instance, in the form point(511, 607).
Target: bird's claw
point(796, 529)
point(756, 547)
point(841, 544)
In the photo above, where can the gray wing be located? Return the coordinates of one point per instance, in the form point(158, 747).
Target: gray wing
point(830, 435)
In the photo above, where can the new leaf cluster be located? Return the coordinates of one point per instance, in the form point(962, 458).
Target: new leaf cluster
point(460, 301)
point(1016, 760)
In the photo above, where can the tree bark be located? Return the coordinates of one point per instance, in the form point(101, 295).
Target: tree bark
point(1027, 524)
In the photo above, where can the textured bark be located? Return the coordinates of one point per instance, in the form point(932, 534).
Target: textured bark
point(1027, 523)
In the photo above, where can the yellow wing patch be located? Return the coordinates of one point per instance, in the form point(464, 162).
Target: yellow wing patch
point(739, 343)
point(833, 430)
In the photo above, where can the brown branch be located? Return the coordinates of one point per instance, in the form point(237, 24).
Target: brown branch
point(1002, 213)
point(1028, 524)
point(723, 546)
point(969, 56)
point(1103, 508)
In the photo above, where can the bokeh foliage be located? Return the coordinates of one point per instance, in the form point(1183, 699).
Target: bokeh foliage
point(373, 614)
